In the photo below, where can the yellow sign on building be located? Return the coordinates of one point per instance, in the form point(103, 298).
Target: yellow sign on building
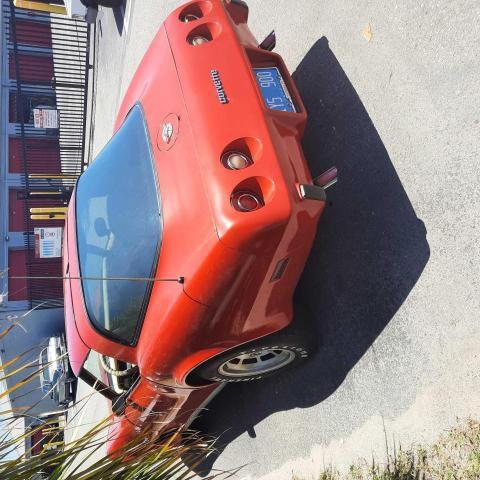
point(40, 6)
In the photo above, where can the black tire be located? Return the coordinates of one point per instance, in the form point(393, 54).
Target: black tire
point(286, 349)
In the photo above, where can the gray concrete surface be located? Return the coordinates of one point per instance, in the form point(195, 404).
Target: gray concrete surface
point(393, 280)
point(89, 411)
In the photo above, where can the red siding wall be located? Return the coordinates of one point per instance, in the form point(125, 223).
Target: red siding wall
point(16, 212)
point(34, 33)
point(44, 289)
point(17, 263)
point(42, 267)
point(15, 162)
point(33, 68)
point(43, 155)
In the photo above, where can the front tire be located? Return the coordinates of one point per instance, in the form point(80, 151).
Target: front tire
point(256, 360)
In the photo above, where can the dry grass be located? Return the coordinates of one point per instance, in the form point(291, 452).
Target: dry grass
point(455, 456)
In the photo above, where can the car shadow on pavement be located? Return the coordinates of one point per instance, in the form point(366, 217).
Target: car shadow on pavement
point(369, 252)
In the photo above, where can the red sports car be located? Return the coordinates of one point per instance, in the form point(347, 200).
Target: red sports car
point(187, 234)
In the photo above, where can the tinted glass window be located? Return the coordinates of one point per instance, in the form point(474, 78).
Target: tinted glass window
point(119, 230)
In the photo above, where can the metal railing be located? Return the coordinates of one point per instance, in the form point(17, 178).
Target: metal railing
point(48, 64)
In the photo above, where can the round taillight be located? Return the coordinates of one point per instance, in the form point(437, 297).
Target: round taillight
point(189, 17)
point(236, 160)
point(197, 40)
point(246, 201)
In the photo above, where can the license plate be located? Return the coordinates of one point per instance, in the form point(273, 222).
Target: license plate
point(274, 90)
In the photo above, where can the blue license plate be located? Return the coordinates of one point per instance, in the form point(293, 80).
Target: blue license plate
point(274, 90)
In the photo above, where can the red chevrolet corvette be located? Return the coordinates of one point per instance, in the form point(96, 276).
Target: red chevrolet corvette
point(187, 235)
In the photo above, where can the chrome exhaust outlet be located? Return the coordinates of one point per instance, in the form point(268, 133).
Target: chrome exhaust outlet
point(327, 179)
point(269, 42)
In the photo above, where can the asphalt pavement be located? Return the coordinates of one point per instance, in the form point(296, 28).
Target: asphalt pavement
point(392, 284)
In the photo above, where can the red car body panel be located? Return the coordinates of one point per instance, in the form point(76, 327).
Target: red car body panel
point(227, 258)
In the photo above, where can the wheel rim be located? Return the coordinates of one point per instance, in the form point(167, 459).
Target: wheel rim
point(256, 362)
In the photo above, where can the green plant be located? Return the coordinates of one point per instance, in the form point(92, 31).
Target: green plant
point(145, 458)
point(150, 456)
